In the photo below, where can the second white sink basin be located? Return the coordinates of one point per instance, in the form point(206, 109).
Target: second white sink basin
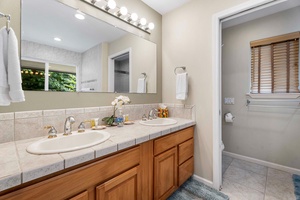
point(159, 122)
point(72, 142)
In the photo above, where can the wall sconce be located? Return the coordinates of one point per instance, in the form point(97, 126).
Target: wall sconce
point(122, 14)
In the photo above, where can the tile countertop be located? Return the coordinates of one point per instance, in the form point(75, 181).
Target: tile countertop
point(17, 166)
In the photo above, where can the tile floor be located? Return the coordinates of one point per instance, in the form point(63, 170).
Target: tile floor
point(244, 180)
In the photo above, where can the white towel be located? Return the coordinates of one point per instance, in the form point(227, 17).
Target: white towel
point(141, 87)
point(10, 74)
point(181, 86)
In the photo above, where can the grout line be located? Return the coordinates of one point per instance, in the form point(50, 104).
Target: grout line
point(266, 183)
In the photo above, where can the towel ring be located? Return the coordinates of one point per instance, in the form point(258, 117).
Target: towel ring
point(182, 67)
point(144, 74)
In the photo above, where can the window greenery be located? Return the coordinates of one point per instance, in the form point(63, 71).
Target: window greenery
point(33, 79)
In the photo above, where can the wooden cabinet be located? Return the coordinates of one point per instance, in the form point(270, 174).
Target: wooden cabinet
point(151, 170)
point(82, 196)
point(86, 178)
point(124, 186)
point(165, 174)
point(173, 162)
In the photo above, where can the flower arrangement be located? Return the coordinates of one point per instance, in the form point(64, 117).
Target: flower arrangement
point(117, 103)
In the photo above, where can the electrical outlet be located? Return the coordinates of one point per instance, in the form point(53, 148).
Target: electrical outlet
point(229, 101)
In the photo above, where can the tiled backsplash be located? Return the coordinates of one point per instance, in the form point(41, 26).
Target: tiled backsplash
point(30, 124)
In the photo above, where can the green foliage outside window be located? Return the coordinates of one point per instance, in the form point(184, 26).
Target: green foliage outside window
point(58, 81)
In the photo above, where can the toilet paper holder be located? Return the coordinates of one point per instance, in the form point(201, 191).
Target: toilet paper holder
point(228, 117)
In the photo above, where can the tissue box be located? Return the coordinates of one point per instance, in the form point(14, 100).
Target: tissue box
point(163, 113)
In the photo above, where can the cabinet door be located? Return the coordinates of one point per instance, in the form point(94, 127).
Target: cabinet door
point(124, 186)
point(165, 174)
point(82, 196)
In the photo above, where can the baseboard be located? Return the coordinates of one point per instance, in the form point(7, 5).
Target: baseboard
point(264, 163)
point(203, 180)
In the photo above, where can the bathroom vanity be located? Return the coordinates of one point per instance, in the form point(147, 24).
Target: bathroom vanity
point(153, 169)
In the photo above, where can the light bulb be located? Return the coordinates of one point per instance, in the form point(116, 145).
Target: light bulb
point(57, 39)
point(143, 21)
point(134, 17)
point(111, 4)
point(151, 26)
point(123, 10)
point(79, 15)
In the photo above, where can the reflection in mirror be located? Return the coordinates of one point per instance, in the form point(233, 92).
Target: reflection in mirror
point(41, 76)
point(60, 52)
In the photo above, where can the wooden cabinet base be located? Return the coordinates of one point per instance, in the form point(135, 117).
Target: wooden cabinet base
point(151, 170)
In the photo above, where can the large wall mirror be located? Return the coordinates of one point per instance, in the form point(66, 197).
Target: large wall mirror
point(60, 52)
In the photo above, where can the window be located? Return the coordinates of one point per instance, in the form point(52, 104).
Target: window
point(275, 64)
point(60, 77)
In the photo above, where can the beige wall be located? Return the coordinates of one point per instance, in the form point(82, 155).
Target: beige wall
point(143, 59)
point(267, 134)
point(187, 41)
point(50, 100)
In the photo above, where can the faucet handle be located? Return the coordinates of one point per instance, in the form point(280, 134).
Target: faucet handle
point(52, 132)
point(144, 117)
point(155, 113)
point(81, 127)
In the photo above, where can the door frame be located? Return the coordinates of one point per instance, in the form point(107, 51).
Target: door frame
point(236, 11)
point(111, 69)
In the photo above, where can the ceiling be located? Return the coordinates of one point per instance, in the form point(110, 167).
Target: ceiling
point(164, 6)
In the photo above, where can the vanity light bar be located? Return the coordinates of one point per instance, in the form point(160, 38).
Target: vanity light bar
point(122, 13)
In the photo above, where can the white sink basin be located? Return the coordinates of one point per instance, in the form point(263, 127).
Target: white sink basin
point(159, 122)
point(72, 142)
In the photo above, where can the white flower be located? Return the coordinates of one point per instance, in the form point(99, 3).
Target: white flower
point(120, 100)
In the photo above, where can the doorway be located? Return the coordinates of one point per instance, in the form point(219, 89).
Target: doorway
point(232, 13)
point(119, 72)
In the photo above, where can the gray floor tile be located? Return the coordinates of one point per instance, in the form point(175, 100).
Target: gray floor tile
point(226, 159)
point(253, 167)
point(246, 178)
point(279, 185)
point(236, 191)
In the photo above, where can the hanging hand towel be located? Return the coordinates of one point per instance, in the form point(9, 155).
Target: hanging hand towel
point(181, 86)
point(141, 87)
point(10, 75)
point(4, 90)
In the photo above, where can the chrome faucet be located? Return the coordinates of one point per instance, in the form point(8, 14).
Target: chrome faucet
point(68, 125)
point(152, 114)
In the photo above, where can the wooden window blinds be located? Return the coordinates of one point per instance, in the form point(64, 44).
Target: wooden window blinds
point(275, 64)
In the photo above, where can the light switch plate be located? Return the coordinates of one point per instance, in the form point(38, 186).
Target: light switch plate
point(229, 101)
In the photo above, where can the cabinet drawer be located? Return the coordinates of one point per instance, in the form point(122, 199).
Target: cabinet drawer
point(169, 141)
point(185, 170)
point(186, 150)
